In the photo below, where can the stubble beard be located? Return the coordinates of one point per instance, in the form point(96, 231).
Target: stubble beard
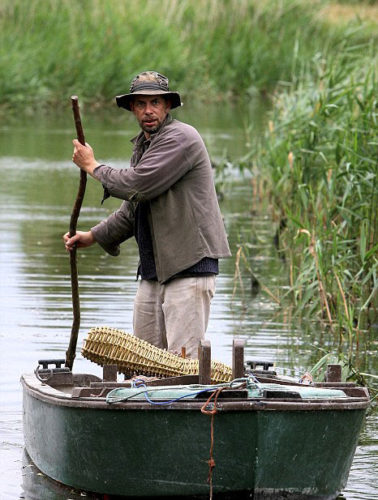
point(150, 130)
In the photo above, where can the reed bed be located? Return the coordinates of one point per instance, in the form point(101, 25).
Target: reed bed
point(214, 49)
point(319, 163)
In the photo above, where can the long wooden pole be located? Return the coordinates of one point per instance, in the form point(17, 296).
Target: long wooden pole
point(71, 352)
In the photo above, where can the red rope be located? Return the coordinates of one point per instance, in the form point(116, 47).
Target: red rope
point(211, 413)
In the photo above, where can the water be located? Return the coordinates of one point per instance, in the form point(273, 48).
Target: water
point(38, 186)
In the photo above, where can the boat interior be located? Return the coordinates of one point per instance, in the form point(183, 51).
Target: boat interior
point(53, 373)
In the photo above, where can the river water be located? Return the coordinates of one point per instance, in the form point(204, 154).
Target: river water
point(38, 186)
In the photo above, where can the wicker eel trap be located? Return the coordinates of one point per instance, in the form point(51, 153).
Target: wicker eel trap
point(105, 345)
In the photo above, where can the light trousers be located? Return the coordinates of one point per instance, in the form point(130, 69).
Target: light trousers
point(174, 315)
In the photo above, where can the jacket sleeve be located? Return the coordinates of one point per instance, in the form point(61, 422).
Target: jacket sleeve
point(161, 166)
point(117, 228)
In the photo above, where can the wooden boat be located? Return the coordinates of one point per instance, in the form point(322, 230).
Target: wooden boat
point(258, 436)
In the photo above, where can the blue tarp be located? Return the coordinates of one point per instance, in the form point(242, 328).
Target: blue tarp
point(169, 394)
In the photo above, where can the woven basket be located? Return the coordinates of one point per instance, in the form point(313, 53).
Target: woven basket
point(105, 345)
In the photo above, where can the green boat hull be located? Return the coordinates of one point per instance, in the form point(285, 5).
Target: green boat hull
point(261, 449)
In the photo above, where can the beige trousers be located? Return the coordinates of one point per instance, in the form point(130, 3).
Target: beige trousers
point(174, 315)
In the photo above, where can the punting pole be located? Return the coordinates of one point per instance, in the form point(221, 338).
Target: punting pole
point(71, 352)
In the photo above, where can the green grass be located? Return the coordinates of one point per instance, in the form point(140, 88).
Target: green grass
point(213, 49)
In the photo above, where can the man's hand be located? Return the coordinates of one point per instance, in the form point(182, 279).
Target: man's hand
point(83, 157)
point(81, 239)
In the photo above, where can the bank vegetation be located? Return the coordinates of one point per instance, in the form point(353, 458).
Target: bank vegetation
point(211, 49)
point(318, 162)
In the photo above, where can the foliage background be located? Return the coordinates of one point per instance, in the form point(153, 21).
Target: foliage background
point(211, 49)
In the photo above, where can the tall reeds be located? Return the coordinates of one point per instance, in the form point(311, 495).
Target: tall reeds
point(53, 48)
point(320, 160)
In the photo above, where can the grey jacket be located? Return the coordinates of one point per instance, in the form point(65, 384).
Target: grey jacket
point(176, 177)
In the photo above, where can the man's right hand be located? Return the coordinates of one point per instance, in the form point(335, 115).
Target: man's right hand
point(81, 239)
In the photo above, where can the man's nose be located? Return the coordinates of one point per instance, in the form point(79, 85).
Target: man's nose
point(148, 108)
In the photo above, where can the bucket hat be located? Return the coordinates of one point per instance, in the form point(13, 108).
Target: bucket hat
point(149, 83)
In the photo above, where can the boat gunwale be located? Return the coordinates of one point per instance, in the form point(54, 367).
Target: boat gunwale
point(48, 394)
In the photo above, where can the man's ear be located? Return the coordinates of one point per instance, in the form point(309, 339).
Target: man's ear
point(168, 104)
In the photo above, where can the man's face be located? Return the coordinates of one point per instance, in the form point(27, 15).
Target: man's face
point(150, 111)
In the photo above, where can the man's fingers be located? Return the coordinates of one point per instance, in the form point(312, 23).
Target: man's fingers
point(66, 239)
point(70, 242)
point(78, 144)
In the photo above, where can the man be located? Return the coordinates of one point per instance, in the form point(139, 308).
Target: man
point(170, 207)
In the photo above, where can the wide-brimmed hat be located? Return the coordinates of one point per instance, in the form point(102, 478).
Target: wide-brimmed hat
point(149, 83)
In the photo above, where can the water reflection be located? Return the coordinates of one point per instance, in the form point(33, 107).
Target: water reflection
point(37, 192)
point(37, 486)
